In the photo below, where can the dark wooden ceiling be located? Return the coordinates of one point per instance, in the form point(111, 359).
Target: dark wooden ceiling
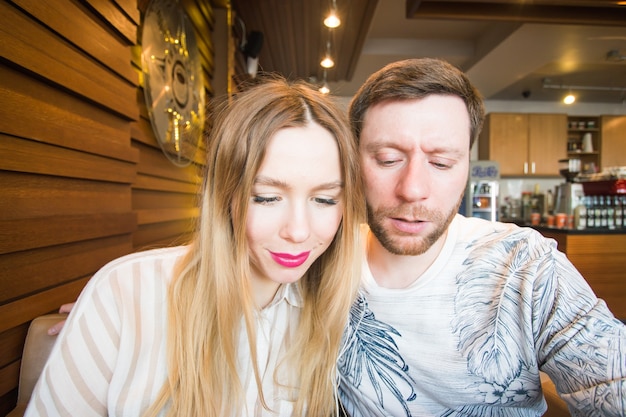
point(295, 38)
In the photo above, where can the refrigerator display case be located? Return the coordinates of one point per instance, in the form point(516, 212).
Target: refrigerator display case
point(481, 194)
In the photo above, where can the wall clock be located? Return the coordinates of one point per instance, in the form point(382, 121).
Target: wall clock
point(173, 83)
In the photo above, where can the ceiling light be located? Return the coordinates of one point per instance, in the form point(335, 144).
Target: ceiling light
point(332, 20)
point(569, 99)
point(327, 62)
point(324, 89)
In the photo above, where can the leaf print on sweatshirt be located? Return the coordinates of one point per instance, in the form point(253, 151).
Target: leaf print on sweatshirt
point(489, 309)
point(371, 352)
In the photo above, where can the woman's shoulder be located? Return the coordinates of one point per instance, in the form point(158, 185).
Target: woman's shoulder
point(153, 265)
point(147, 256)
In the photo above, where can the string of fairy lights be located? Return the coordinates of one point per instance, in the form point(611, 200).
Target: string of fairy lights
point(331, 21)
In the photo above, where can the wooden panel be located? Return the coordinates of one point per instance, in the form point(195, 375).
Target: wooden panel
point(547, 142)
point(80, 30)
point(34, 157)
point(608, 269)
point(153, 162)
point(27, 308)
point(78, 166)
point(561, 239)
point(600, 244)
point(116, 18)
point(27, 271)
point(146, 182)
point(61, 63)
point(11, 344)
point(9, 376)
point(201, 16)
point(142, 132)
point(29, 195)
point(143, 199)
point(613, 141)
point(32, 109)
point(505, 139)
point(130, 8)
point(162, 234)
point(165, 215)
point(39, 232)
point(7, 402)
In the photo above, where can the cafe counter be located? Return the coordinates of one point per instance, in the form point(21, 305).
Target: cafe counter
point(600, 256)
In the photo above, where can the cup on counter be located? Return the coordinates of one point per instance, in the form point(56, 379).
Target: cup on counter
point(535, 219)
point(551, 220)
point(561, 220)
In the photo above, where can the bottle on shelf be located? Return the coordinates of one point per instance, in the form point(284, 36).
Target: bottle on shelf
point(593, 218)
point(604, 218)
point(580, 214)
point(591, 213)
point(618, 204)
point(610, 213)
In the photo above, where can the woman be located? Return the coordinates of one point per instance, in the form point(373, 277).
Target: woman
point(247, 319)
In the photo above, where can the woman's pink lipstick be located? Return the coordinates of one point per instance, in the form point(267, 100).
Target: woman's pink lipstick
point(289, 260)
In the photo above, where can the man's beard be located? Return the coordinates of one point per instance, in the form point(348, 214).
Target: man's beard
point(399, 243)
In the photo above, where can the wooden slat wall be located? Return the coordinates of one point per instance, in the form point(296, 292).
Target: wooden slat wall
point(83, 180)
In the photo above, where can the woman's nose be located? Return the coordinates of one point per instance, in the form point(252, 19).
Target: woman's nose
point(296, 227)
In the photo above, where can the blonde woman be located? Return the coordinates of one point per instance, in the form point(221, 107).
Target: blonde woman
point(247, 320)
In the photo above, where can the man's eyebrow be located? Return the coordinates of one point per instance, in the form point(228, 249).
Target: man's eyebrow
point(378, 144)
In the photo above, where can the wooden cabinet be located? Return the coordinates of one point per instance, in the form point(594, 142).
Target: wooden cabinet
point(523, 143)
point(577, 128)
point(613, 146)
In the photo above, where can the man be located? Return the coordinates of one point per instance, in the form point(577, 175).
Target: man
point(458, 315)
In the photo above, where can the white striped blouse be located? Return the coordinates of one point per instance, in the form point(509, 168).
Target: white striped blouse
point(110, 357)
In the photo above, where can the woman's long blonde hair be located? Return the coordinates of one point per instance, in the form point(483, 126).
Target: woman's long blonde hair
point(210, 294)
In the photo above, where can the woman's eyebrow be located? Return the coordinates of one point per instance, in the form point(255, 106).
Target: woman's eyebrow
point(273, 182)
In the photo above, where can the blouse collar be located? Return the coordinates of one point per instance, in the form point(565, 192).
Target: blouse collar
point(289, 292)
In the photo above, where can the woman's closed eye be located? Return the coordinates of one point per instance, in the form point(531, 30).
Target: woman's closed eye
point(326, 201)
point(264, 200)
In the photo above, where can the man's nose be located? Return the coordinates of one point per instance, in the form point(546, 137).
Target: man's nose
point(414, 181)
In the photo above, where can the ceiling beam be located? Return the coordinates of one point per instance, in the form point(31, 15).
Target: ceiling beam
point(526, 13)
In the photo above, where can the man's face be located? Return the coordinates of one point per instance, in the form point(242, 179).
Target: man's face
point(415, 162)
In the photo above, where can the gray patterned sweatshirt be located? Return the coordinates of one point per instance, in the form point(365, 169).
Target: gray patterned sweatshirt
point(469, 337)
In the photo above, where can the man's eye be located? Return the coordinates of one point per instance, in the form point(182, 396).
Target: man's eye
point(326, 201)
point(387, 162)
point(264, 200)
point(441, 165)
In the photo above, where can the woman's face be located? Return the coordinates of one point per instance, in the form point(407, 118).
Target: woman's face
point(295, 207)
